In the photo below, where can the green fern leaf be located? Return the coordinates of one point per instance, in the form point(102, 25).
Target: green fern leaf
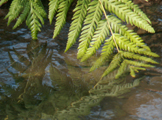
point(53, 6)
point(137, 57)
point(15, 9)
point(139, 64)
point(36, 13)
point(113, 65)
point(125, 44)
point(91, 22)
point(107, 50)
point(126, 14)
point(100, 34)
point(117, 27)
point(135, 9)
point(23, 16)
point(61, 16)
point(132, 73)
point(2, 2)
point(76, 25)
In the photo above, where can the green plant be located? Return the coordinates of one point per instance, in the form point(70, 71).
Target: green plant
point(132, 53)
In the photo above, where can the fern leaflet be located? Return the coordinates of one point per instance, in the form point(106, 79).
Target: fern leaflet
point(76, 25)
point(61, 16)
point(91, 21)
point(53, 6)
point(107, 50)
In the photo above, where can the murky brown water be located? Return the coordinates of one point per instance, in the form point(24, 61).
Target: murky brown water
point(43, 84)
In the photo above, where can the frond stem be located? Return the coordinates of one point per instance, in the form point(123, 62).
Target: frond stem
point(109, 25)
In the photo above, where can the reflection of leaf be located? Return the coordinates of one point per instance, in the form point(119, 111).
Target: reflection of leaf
point(16, 65)
point(82, 107)
point(21, 58)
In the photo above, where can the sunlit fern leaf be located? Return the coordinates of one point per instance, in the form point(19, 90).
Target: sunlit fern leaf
point(15, 9)
point(107, 50)
point(23, 15)
point(36, 14)
point(91, 22)
point(118, 27)
point(100, 35)
point(80, 13)
point(134, 69)
point(135, 9)
point(113, 65)
point(53, 6)
point(126, 14)
point(137, 57)
point(61, 16)
point(139, 64)
point(125, 44)
point(132, 72)
point(2, 2)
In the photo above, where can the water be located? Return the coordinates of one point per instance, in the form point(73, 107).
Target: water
point(38, 81)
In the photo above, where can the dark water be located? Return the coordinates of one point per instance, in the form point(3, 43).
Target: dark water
point(38, 81)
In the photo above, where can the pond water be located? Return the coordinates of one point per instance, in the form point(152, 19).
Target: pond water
point(38, 81)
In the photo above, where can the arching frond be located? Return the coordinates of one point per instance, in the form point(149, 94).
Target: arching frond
point(53, 6)
point(126, 14)
point(125, 44)
point(35, 15)
point(118, 27)
point(23, 15)
point(91, 22)
point(61, 16)
point(80, 13)
point(99, 36)
point(137, 57)
point(14, 10)
point(135, 9)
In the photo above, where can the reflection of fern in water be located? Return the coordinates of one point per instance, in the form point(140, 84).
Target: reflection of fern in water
point(95, 29)
point(104, 88)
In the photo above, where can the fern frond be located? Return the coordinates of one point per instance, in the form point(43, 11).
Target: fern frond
point(15, 9)
point(23, 16)
point(126, 14)
point(107, 50)
point(100, 35)
point(135, 8)
point(125, 44)
point(113, 65)
point(53, 6)
point(76, 25)
point(61, 16)
point(137, 57)
point(91, 22)
point(2, 2)
point(136, 63)
point(36, 13)
point(117, 27)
